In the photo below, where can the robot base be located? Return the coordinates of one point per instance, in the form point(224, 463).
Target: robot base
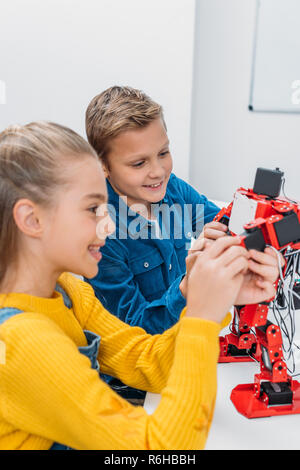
point(223, 359)
point(230, 353)
point(246, 403)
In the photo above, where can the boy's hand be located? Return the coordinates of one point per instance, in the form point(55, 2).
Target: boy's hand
point(263, 271)
point(211, 231)
point(254, 290)
point(265, 264)
point(214, 278)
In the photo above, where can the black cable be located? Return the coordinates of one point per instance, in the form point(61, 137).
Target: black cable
point(286, 322)
point(290, 200)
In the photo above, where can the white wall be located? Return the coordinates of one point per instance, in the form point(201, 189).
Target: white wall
point(57, 54)
point(229, 142)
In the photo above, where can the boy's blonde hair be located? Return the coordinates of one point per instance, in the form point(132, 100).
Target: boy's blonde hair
point(116, 110)
point(31, 163)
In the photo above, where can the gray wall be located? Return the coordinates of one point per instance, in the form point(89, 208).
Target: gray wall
point(228, 142)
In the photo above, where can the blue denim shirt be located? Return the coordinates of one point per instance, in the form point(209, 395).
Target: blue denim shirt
point(142, 266)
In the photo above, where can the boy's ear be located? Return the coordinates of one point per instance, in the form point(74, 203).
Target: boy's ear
point(26, 217)
point(105, 169)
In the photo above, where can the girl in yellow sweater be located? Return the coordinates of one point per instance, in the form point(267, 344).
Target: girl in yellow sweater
point(55, 335)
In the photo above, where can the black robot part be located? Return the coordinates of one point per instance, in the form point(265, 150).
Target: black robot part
point(268, 182)
point(288, 229)
point(254, 240)
point(279, 393)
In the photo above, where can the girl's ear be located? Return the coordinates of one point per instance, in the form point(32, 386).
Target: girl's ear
point(26, 217)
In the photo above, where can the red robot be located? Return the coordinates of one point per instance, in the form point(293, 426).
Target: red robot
point(253, 337)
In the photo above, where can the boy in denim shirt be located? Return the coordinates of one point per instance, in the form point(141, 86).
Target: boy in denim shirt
point(156, 214)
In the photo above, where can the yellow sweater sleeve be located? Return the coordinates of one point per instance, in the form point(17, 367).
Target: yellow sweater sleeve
point(124, 352)
point(48, 389)
point(138, 359)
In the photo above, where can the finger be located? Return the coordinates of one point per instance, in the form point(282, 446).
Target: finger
point(191, 258)
point(200, 245)
point(190, 261)
point(264, 271)
point(276, 254)
point(213, 234)
point(237, 266)
point(272, 251)
point(217, 226)
point(195, 265)
point(232, 253)
point(220, 245)
point(264, 257)
point(260, 283)
point(267, 287)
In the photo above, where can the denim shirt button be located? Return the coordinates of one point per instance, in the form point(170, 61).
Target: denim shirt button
point(146, 264)
point(170, 267)
point(189, 234)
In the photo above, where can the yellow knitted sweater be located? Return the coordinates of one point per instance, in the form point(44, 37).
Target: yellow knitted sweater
point(49, 392)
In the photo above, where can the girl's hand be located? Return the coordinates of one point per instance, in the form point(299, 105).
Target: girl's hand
point(214, 278)
point(202, 244)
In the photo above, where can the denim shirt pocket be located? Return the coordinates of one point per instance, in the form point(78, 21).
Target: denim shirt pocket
point(148, 273)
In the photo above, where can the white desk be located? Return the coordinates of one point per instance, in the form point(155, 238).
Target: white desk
point(231, 430)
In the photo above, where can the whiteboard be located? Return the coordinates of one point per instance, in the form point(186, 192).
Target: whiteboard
point(275, 83)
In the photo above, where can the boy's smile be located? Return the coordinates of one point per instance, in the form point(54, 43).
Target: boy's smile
point(139, 164)
point(95, 252)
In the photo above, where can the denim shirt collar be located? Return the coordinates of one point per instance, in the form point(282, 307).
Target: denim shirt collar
point(117, 201)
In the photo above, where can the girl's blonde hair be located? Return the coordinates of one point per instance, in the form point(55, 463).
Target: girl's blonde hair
point(31, 163)
point(116, 110)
